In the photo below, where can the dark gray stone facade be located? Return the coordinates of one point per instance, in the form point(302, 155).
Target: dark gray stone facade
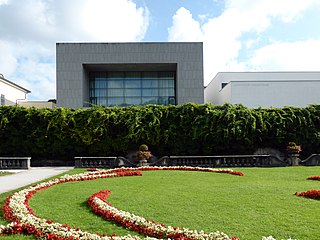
point(75, 60)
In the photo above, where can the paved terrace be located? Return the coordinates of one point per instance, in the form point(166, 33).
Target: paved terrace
point(25, 177)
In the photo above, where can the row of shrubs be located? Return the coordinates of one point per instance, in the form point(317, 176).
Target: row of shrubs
point(191, 129)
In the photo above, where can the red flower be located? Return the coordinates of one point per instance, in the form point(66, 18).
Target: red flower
point(314, 194)
point(314, 178)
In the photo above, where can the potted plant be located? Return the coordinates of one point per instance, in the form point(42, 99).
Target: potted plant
point(293, 148)
point(144, 155)
point(293, 151)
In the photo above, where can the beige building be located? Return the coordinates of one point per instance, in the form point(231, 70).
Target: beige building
point(11, 93)
point(38, 104)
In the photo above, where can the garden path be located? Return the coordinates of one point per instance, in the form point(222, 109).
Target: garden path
point(25, 177)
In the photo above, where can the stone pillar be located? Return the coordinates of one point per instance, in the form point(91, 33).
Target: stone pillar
point(294, 158)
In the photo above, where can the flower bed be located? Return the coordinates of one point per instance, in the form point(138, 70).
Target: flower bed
point(23, 220)
point(314, 178)
point(314, 194)
point(143, 226)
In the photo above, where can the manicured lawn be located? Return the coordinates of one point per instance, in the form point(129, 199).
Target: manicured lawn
point(4, 173)
point(261, 203)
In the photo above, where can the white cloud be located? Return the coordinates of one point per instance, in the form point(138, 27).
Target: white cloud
point(114, 20)
point(27, 21)
point(286, 10)
point(184, 27)
point(299, 56)
point(2, 2)
point(29, 30)
point(8, 62)
point(225, 37)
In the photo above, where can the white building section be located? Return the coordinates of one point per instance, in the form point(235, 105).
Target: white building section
point(11, 93)
point(264, 89)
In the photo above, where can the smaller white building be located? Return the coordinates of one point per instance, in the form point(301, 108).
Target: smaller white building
point(11, 93)
point(264, 89)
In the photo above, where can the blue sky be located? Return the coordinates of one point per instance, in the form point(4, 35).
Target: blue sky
point(238, 35)
point(161, 13)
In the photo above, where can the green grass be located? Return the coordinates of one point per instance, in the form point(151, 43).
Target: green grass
point(4, 173)
point(261, 203)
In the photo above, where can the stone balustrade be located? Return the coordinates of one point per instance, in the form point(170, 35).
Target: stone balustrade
point(95, 162)
point(226, 161)
point(7, 163)
point(312, 160)
point(196, 161)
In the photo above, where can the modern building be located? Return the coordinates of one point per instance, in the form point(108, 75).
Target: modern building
point(123, 74)
point(264, 89)
point(11, 93)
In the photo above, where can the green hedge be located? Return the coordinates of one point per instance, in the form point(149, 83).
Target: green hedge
point(191, 129)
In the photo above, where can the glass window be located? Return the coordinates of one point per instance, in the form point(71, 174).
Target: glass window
point(147, 83)
point(97, 83)
point(149, 100)
point(132, 83)
point(166, 83)
point(135, 92)
point(166, 92)
point(115, 92)
point(149, 92)
point(131, 88)
point(116, 101)
point(92, 92)
point(101, 83)
point(102, 101)
point(115, 83)
point(92, 84)
point(133, 101)
point(163, 100)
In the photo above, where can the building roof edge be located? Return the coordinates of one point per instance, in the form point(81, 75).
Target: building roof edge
point(2, 79)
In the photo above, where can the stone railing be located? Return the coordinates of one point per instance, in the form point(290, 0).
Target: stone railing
point(312, 160)
point(226, 161)
point(196, 161)
point(95, 162)
point(15, 162)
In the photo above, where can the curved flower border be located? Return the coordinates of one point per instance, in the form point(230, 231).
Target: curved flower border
point(314, 178)
point(23, 220)
point(143, 226)
point(313, 194)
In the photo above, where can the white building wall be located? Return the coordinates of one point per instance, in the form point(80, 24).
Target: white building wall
point(225, 95)
point(211, 92)
point(265, 89)
point(275, 94)
point(12, 94)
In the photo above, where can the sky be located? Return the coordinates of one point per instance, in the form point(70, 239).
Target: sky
point(237, 35)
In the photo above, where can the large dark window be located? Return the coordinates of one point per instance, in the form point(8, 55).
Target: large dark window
point(132, 88)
